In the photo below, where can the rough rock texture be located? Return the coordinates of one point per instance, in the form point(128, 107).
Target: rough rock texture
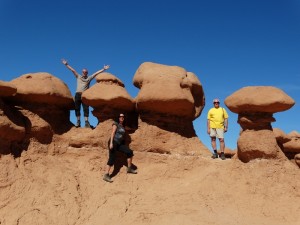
point(108, 97)
point(259, 99)
point(168, 90)
point(170, 98)
point(54, 176)
point(292, 146)
point(42, 88)
point(66, 187)
point(255, 106)
point(12, 128)
point(280, 136)
point(45, 95)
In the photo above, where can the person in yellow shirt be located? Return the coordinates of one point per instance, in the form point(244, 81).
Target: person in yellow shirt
point(217, 125)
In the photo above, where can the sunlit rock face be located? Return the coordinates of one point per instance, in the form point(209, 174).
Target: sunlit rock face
point(45, 102)
point(255, 106)
point(108, 97)
point(170, 98)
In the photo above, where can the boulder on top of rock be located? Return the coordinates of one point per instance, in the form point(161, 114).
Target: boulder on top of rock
point(168, 90)
point(42, 88)
point(259, 99)
point(108, 97)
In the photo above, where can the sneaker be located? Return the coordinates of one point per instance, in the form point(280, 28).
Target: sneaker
point(87, 124)
point(223, 156)
point(130, 170)
point(107, 178)
point(78, 123)
point(215, 155)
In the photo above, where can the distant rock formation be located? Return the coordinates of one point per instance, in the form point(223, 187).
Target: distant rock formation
point(289, 144)
point(255, 106)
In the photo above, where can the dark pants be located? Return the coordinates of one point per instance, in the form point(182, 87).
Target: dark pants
point(120, 148)
point(78, 103)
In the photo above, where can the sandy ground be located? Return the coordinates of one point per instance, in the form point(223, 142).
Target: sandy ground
point(65, 189)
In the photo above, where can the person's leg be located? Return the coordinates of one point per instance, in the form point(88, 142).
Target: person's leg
point(213, 134)
point(110, 163)
point(86, 115)
point(222, 148)
point(129, 153)
point(220, 134)
point(77, 108)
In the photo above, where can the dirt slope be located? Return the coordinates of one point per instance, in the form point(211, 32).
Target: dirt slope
point(67, 188)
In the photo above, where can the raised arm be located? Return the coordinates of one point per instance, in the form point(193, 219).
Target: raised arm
point(105, 67)
point(69, 67)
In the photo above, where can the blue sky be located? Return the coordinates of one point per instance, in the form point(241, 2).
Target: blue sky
point(227, 44)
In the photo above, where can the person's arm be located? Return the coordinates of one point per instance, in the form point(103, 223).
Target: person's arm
point(208, 126)
point(106, 67)
point(114, 128)
point(69, 67)
point(225, 124)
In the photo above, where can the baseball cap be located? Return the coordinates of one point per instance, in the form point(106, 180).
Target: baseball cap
point(216, 100)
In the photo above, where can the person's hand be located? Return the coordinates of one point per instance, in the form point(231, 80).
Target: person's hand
point(64, 62)
point(225, 129)
point(106, 67)
point(208, 131)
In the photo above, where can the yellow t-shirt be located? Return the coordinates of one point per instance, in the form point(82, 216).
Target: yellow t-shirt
point(216, 117)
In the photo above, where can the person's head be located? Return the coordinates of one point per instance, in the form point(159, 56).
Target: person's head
point(85, 72)
point(216, 103)
point(121, 118)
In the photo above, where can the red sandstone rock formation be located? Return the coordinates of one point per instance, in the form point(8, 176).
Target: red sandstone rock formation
point(12, 124)
point(255, 106)
point(170, 98)
point(60, 182)
point(108, 97)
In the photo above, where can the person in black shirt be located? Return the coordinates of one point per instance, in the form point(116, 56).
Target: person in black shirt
point(117, 143)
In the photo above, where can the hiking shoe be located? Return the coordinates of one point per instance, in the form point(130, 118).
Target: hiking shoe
point(130, 170)
point(78, 123)
point(107, 178)
point(214, 156)
point(223, 156)
point(87, 124)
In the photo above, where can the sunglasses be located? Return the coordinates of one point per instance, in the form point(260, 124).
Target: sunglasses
point(216, 102)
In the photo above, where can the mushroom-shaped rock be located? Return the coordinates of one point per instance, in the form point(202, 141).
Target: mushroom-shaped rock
point(7, 89)
point(259, 99)
point(168, 90)
point(255, 106)
point(42, 88)
point(46, 96)
point(170, 98)
point(108, 97)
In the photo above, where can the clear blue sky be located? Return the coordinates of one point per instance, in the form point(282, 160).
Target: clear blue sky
point(228, 44)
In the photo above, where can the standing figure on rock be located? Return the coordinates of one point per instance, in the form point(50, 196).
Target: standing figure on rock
point(117, 143)
point(83, 83)
point(217, 125)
